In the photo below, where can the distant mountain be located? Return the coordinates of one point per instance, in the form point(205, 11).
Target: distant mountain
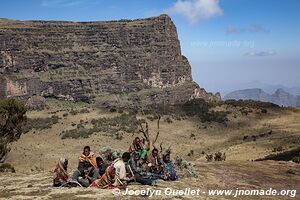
point(267, 87)
point(272, 89)
point(280, 97)
point(293, 90)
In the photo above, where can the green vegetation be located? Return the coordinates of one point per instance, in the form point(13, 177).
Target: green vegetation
point(248, 138)
point(184, 168)
point(113, 126)
point(79, 132)
point(251, 104)
point(75, 112)
point(290, 155)
point(12, 115)
point(194, 108)
point(205, 110)
point(296, 159)
point(6, 167)
point(168, 120)
point(218, 156)
point(39, 123)
point(66, 105)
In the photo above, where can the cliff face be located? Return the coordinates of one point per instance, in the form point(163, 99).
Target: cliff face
point(109, 62)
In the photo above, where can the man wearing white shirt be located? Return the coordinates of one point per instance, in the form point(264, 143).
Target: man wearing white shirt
point(120, 166)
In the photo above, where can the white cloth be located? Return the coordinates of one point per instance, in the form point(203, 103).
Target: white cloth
point(120, 167)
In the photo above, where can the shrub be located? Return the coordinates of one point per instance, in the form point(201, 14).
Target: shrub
point(196, 107)
point(168, 120)
point(251, 104)
point(125, 122)
point(184, 168)
point(120, 111)
point(12, 115)
point(114, 126)
point(209, 157)
point(214, 116)
point(77, 133)
point(296, 159)
point(39, 123)
point(74, 112)
point(284, 156)
point(84, 110)
point(220, 156)
point(79, 126)
point(191, 153)
point(113, 110)
point(278, 149)
point(264, 111)
point(6, 167)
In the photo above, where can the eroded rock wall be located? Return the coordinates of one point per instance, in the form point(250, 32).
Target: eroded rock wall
point(89, 60)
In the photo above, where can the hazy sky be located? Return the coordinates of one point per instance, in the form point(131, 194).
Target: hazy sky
point(229, 43)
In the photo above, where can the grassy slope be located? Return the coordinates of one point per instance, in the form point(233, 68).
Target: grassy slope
point(40, 149)
point(37, 152)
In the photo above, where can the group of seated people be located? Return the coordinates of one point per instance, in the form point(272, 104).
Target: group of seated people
point(139, 164)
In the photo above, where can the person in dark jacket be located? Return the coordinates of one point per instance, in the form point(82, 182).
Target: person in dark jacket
point(140, 176)
point(101, 166)
point(87, 170)
point(169, 170)
point(154, 162)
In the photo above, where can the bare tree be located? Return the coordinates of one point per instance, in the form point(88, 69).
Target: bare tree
point(144, 128)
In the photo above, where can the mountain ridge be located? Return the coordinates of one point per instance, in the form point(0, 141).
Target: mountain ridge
point(280, 96)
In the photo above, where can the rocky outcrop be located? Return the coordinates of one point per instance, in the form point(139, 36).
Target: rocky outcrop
point(280, 97)
point(284, 98)
point(126, 61)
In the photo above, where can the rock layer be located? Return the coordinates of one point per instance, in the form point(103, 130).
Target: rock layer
point(125, 62)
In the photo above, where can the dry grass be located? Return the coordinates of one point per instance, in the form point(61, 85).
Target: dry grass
point(37, 153)
point(42, 148)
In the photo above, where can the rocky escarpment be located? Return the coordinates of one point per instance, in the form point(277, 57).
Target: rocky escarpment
point(124, 62)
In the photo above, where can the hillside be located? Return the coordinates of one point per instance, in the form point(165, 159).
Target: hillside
point(253, 131)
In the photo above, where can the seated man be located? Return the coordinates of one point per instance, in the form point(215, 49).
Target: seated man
point(168, 170)
point(60, 176)
point(101, 166)
point(107, 179)
point(121, 174)
point(87, 171)
point(154, 163)
point(138, 146)
point(140, 176)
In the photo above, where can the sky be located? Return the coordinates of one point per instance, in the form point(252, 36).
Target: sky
point(230, 44)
